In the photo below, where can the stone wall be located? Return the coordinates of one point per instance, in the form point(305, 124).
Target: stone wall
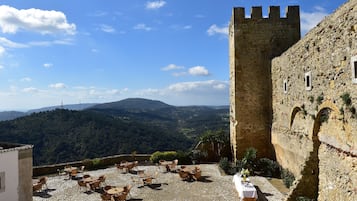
point(253, 43)
point(311, 120)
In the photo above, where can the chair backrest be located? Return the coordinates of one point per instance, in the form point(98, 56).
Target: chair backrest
point(82, 183)
point(197, 174)
point(127, 188)
point(102, 178)
point(176, 161)
point(43, 180)
point(82, 168)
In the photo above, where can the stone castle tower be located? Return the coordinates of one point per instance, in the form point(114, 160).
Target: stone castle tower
point(253, 43)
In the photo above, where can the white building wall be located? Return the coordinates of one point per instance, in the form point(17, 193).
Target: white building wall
point(9, 164)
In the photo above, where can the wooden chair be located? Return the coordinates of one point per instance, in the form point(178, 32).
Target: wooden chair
point(120, 197)
point(73, 173)
point(147, 180)
point(95, 185)
point(82, 168)
point(37, 187)
point(184, 175)
point(82, 184)
point(106, 197)
point(43, 181)
point(127, 189)
point(173, 166)
point(102, 179)
point(197, 175)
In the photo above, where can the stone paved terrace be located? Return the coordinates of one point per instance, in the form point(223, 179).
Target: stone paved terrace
point(167, 187)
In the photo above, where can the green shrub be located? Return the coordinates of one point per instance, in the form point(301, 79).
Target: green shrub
point(248, 160)
point(224, 164)
point(268, 168)
point(346, 98)
point(288, 177)
point(166, 155)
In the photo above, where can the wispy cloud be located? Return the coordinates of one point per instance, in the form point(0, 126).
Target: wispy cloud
point(107, 28)
point(2, 51)
point(1, 67)
point(214, 29)
point(142, 27)
point(180, 27)
point(57, 86)
point(172, 67)
point(155, 4)
point(198, 71)
point(8, 43)
point(31, 90)
point(47, 65)
point(310, 19)
point(35, 20)
point(26, 79)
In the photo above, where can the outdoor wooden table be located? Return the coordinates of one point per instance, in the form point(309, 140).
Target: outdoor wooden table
point(69, 169)
point(115, 190)
point(246, 190)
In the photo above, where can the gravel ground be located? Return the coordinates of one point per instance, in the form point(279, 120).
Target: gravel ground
point(167, 187)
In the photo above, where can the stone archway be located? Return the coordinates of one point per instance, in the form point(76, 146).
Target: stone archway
point(308, 184)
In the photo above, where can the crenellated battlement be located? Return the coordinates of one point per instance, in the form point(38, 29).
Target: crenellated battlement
point(292, 14)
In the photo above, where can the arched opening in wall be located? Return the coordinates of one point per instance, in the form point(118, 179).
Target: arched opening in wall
point(293, 114)
point(313, 164)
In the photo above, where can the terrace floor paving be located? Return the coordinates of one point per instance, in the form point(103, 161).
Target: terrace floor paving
point(167, 186)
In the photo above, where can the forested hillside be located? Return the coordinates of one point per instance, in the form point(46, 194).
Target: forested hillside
point(65, 135)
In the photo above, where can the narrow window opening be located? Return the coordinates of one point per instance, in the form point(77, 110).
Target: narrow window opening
point(308, 81)
point(354, 69)
point(285, 86)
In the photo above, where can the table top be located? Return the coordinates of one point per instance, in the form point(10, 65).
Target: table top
point(69, 169)
point(115, 190)
point(245, 189)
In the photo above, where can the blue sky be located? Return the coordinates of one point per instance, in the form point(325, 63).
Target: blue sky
point(96, 51)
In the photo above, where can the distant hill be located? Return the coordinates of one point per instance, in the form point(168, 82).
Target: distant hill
point(140, 125)
point(10, 115)
point(133, 104)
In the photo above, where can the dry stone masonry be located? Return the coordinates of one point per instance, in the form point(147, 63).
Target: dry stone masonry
point(300, 96)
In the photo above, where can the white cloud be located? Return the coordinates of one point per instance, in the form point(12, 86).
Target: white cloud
point(107, 28)
point(47, 65)
point(34, 20)
point(142, 27)
point(178, 74)
point(198, 70)
point(155, 4)
point(26, 79)
point(214, 29)
point(172, 67)
point(310, 20)
point(57, 86)
point(49, 43)
point(30, 90)
point(181, 27)
point(2, 51)
point(8, 43)
point(1, 67)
